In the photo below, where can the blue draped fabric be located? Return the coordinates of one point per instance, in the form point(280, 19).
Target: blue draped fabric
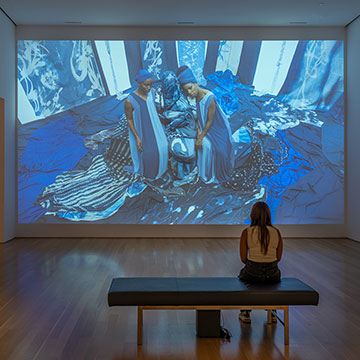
point(97, 187)
point(179, 119)
point(154, 56)
point(212, 53)
point(248, 61)
point(295, 68)
point(58, 75)
point(177, 113)
point(291, 170)
point(35, 172)
point(316, 76)
point(170, 59)
point(133, 58)
point(317, 197)
point(99, 66)
point(192, 54)
point(306, 158)
point(230, 94)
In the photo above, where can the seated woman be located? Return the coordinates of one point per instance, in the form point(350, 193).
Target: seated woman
point(214, 143)
point(148, 143)
point(261, 248)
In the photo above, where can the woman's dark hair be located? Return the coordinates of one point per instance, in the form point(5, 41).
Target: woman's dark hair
point(181, 69)
point(261, 216)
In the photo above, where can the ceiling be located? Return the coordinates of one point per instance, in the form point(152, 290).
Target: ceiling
point(182, 12)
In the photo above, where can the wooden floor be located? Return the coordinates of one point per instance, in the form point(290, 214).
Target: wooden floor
point(53, 301)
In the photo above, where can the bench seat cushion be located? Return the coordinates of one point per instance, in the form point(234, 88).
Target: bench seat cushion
point(145, 291)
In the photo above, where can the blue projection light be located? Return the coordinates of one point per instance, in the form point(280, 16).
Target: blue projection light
point(279, 122)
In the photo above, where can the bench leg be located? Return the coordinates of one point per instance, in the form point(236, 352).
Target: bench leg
point(139, 325)
point(269, 319)
point(286, 325)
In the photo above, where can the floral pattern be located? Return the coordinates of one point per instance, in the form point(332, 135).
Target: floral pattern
point(57, 75)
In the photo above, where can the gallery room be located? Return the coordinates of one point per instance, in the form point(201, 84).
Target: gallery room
point(179, 181)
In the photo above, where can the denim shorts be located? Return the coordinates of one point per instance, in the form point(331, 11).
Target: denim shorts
point(260, 272)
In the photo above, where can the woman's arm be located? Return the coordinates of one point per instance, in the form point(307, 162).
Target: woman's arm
point(129, 116)
point(243, 246)
point(209, 121)
point(198, 131)
point(279, 249)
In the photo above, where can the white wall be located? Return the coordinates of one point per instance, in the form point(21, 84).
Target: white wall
point(136, 33)
point(353, 130)
point(7, 91)
point(178, 33)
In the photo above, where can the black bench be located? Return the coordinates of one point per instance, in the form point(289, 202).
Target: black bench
point(209, 294)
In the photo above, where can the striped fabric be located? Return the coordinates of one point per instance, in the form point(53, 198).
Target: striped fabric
point(95, 193)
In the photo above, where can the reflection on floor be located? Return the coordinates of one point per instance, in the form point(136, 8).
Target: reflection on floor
point(53, 302)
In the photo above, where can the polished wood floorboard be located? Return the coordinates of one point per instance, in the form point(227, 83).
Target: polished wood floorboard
point(53, 301)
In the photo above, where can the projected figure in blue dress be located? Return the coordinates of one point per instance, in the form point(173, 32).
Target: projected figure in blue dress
point(214, 143)
point(148, 143)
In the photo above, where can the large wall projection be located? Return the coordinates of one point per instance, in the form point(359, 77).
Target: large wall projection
point(284, 106)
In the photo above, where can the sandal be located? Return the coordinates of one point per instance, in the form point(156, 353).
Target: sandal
point(244, 316)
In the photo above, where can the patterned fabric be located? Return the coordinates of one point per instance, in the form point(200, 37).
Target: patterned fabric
point(315, 79)
point(55, 75)
point(90, 195)
point(193, 54)
point(152, 55)
point(99, 191)
point(179, 118)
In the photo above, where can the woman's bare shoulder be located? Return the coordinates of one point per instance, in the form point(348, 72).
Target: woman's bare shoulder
point(245, 231)
point(277, 230)
point(128, 105)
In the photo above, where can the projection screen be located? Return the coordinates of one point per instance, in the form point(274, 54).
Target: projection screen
point(283, 105)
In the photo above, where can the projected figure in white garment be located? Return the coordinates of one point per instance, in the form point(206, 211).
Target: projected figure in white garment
point(148, 143)
point(215, 148)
